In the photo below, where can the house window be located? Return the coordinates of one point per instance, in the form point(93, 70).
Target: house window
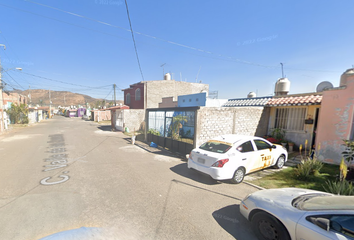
point(127, 98)
point(137, 94)
point(290, 118)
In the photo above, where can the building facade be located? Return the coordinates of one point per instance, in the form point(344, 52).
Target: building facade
point(148, 94)
point(336, 119)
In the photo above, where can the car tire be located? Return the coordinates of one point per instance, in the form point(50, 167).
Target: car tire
point(280, 162)
point(239, 175)
point(267, 227)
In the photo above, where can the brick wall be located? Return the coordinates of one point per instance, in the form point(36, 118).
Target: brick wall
point(14, 98)
point(168, 102)
point(213, 122)
point(102, 115)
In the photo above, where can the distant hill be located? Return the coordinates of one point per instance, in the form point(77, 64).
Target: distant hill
point(60, 98)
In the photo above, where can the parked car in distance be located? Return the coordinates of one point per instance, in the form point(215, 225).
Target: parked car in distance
point(233, 156)
point(295, 213)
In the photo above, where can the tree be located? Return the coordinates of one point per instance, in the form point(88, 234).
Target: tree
point(18, 113)
point(177, 125)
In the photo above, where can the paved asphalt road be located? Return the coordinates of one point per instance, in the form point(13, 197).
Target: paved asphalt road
point(64, 174)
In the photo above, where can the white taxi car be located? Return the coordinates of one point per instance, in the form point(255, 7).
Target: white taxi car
point(295, 213)
point(233, 156)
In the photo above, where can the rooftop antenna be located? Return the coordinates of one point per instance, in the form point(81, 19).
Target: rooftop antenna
point(196, 79)
point(163, 70)
point(282, 70)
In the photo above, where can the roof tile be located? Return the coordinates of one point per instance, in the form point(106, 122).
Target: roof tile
point(247, 102)
point(295, 100)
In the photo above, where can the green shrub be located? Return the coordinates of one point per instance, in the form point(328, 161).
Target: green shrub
point(308, 168)
point(348, 154)
point(339, 187)
point(154, 132)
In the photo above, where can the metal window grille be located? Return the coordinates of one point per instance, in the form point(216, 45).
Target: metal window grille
point(290, 118)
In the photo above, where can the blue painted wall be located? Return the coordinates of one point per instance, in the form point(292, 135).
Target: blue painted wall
point(192, 100)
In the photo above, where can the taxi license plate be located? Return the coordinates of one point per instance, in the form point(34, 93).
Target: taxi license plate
point(201, 160)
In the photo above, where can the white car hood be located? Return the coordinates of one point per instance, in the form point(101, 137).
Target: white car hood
point(280, 197)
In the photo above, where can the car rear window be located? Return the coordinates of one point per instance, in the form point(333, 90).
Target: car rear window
point(216, 146)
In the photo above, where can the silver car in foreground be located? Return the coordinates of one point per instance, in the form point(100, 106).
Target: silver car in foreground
point(295, 213)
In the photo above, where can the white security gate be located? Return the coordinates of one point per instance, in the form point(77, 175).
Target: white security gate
point(119, 120)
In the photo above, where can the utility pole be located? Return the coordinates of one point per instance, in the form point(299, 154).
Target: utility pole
point(114, 87)
point(50, 106)
point(29, 95)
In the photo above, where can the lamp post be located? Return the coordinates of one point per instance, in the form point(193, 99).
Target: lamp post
point(1, 93)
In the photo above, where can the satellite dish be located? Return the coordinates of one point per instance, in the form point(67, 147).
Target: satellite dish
point(324, 86)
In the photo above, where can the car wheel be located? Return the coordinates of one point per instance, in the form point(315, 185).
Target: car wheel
point(280, 162)
point(267, 227)
point(238, 176)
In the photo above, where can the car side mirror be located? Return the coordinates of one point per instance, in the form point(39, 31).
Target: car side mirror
point(273, 146)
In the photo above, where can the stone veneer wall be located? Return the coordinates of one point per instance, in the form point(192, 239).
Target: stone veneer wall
point(134, 118)
point(213, 122)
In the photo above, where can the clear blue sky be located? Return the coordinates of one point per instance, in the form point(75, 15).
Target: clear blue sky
point(234, 46)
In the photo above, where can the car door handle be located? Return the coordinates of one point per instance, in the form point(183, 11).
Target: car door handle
point(244, 159)
point(205, 154)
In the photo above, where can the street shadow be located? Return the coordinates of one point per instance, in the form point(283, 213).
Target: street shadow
point(231, 220)
point(106, 128)
point(146, 147)
point(183, 170)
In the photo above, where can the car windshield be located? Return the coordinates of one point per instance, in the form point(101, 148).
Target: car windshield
point(216, 146)
point(323, 201)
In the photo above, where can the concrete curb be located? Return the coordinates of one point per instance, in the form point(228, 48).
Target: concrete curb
point(253, 185)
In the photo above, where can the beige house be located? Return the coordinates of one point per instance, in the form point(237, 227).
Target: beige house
point(297, 115)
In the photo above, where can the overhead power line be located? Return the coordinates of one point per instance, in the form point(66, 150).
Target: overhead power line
point(49, 79)
point(108, 94)
point(149, 36)
point(15, 81)
point(143, 34)
point(131, 30)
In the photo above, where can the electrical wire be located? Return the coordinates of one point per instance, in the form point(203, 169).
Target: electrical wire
point(146, 35)
point(131, 29)
point(228, 58)
point(75, 25)
point(15, 81)
point(49, 79)
point(156, 38)
point(7, 84)
point(109, 93)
